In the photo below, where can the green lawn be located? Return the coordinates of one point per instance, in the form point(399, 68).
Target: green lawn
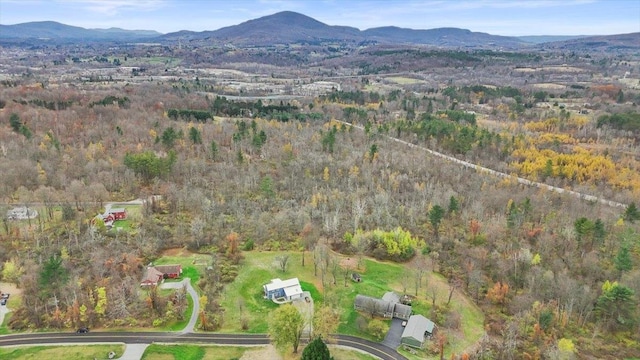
point(179, 325)
point(193, 352)
point(192, 265)
point(72, 352)
point(130, 224)
point(244, 297)
point(245, 294)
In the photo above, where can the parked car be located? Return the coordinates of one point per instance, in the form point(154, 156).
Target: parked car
point(82, 330)
point(4, 296)
point(3, 302)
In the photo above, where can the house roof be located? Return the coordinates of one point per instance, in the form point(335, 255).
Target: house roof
point(280, 284)
point(379, 304)
point(391, 297)
point(169, 269)
point(403, 310)
point(117, 210)
point(291, 291)
point(151, 276)
point(417, 326)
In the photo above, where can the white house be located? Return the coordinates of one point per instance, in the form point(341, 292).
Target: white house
point(287, 290)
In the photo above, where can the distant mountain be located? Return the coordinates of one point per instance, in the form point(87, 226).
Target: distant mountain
point(440, 37)
point(290, 27)
point(539, 39)
point(57, 31)
point(606, 43)
point(280, 28)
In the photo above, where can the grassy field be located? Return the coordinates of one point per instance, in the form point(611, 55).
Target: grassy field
point(192, 352)
point(72, 352)
point(401, 80)
point(244, 298)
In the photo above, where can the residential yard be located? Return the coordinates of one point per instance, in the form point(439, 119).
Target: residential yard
point(134, 216)
point(243, 299)
point(193, 265)
point(72, 352)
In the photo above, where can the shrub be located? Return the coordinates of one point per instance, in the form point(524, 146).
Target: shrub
point(378, 328)
point(248, 245)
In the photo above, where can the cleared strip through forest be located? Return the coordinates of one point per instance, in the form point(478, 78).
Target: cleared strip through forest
point(485, 170)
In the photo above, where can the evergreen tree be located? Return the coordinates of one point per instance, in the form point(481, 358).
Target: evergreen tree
point(599, 232)
point(623, 259)
point(632, 213)
point(316, 350)
point(454, 205)
point(616, 306)
point(195, 135)
point(214, 149)
point(14, 121)
point(435, 217)
point(169, 137)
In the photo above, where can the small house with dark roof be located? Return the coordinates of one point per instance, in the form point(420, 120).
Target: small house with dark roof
point(388, 307)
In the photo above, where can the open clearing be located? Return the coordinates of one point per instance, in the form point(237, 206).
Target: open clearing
point(243, 299)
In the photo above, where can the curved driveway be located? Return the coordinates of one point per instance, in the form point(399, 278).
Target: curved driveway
point(194, 296)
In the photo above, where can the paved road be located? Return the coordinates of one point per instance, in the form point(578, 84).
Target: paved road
point(485, 170)
point(370, 347)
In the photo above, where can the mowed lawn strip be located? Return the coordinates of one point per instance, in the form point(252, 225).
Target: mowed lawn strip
point(72, 352)
point(193, 352)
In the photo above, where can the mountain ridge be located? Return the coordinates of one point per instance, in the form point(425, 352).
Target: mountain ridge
point(288, 27)
point(60, 31)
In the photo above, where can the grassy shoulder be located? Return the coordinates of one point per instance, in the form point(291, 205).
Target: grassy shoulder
point(193, 352)
point(71, 352)
point(200, 352)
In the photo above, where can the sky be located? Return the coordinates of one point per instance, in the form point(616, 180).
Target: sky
point(498, 17)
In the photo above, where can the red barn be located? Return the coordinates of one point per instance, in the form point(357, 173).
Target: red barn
point(118, 213)
point(155, 274)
